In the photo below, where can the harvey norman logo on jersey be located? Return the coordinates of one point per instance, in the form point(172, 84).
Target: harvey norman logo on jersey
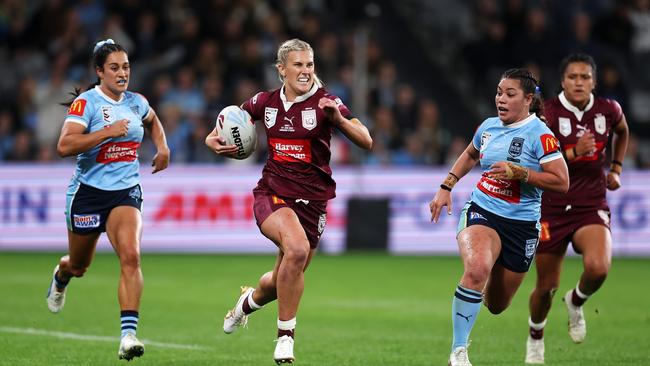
point(126, 151)
point(506, 189)
point(291, 150)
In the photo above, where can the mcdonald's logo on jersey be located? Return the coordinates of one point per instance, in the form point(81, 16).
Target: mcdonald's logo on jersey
point(549, 143)
point(77, 108)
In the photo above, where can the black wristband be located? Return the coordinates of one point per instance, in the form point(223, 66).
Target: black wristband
point(454, 175)
point(446, 188)
point(616, 162)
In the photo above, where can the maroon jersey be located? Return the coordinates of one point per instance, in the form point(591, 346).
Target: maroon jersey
point(298, 137)
point(587, 179)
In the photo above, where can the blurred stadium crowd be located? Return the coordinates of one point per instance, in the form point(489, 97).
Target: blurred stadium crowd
point(192, 58)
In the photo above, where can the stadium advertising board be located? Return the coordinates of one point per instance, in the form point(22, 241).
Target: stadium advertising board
point(209, 209)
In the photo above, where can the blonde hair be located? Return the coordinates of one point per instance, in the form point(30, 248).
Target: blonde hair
point(294, 45)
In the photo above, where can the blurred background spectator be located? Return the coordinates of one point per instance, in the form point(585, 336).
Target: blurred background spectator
point(419, 73)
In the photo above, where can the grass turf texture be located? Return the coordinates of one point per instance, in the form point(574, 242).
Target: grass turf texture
point(358, 309)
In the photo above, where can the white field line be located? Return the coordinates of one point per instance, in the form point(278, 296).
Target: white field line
point(88, 337)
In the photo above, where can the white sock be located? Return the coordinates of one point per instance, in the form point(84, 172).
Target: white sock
point(536, 326)
point(580, 293)
point(252, 302)
point(287, 324)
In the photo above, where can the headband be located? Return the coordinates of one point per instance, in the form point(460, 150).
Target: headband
point(100, 44)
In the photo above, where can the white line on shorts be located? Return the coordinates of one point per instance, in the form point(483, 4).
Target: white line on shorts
point(88, 337)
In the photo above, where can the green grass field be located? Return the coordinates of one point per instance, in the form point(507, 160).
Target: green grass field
point(359, 309)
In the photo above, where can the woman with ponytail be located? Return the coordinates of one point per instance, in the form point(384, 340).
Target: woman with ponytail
point(291, 198)
point(103, 128)
point(499, 227)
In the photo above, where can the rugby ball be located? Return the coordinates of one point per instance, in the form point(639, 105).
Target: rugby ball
point(236, 126)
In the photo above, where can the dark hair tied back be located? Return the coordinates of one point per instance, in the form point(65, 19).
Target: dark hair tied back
point(100, 53)
point(104, 48)
point(530, 85)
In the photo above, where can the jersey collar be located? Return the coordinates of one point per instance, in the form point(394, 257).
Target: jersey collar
point(520, 123)
point(571, 108)
point(299, 98)
point(108, 99)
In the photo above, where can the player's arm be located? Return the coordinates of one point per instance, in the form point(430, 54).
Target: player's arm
point(553, 177)
point(155, 129)
point(465, 162)
point(73, 139)
point(356, 132)
point(586, 145)
point(619, 147)
point(353, 129)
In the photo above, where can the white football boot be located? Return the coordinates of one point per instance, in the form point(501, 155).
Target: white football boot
point(236, 318)
point(535, 351)
point(130, 347)
point(577, 325)
point(284, 350)
point(459, 357)
point(55, 299)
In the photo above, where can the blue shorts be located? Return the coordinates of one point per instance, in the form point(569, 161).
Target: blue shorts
point(519, 238)
point(87, 208)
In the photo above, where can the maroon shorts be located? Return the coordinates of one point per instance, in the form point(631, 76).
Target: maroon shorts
point(558, 226)
point(312, 214)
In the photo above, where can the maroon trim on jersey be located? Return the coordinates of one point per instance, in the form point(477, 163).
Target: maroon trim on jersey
point(126, 151)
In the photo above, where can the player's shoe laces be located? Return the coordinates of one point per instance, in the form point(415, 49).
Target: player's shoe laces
point(55, 299)
point(459, 357)
point(284, 350)
point(535, 351)
point(130, 347)
point(577, 325)
point(236, 318)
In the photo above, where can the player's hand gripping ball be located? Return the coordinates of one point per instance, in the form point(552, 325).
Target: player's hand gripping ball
point(236, 126)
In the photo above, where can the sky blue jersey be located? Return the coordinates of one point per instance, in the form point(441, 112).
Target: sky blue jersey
point(113, 164)
point(528, 143)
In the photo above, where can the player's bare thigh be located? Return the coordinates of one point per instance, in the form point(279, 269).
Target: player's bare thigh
point(595, 243)
point(124, 230)
point(549, 268)
point(284, 229)
point(479, 247)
